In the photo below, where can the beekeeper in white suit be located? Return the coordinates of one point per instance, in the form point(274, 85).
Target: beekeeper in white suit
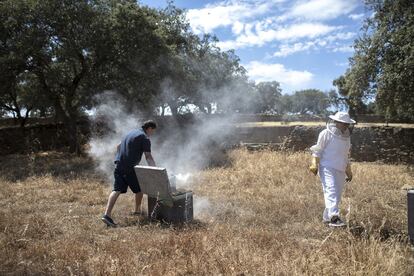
point(330, 156)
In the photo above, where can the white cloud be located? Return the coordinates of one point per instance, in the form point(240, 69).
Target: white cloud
point(289, 79)
point(327, 42)
point(356, 17)
point(260, 34)
point(237, 27)
point(343, 49)
point(320, 9)
point(256, 23)
point(302, 30)
point(226, 13)
point(286, 49)
point(340, 36)
point(235, 12)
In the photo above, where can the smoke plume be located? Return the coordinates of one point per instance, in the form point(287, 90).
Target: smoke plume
point(182, 145)
point(110, 113)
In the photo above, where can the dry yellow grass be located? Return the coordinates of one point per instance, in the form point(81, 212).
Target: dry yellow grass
point(264, 219)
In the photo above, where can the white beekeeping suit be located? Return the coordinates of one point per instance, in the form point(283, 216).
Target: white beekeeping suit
point(331, 154)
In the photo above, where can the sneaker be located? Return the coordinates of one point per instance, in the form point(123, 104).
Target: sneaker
point(336, 222)
point(108, 221)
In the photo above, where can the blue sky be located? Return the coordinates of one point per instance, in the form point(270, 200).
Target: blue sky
point(301, 43)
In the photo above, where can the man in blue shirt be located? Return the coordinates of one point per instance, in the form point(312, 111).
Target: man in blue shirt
point(129, 154)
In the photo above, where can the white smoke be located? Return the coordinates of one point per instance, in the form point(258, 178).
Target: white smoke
point(181, 147)
point(111, 112)
point(199, 141)
point(193, 148)
point(201, 206)
point(183, 180)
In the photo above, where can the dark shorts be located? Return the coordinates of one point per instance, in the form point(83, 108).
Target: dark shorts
point(125, 179)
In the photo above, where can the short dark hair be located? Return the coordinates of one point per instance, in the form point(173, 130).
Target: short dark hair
point(149, 124)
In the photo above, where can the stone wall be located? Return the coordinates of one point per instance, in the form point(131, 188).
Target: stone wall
point(189, 118)
point(36, 138)
point(387, 144)
point(276, 134)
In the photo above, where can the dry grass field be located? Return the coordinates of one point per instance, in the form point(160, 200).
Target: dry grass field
point(264, 218)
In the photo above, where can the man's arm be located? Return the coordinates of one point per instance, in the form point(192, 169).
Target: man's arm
point(150, 160)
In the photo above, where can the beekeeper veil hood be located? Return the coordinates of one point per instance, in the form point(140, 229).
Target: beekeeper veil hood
point(342, 117)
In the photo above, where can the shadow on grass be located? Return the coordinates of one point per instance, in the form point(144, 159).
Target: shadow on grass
point(382, 233)
point(140, 221)
point(18, 167)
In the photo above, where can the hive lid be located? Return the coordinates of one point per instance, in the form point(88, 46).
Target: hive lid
point(153, 181)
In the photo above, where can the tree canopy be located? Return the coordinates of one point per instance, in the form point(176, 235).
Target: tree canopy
point(382, 67)
point(308, 101)
point(55, 56)
point(269, 94)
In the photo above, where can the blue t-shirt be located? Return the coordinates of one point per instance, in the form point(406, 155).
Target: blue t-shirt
point(131, 149)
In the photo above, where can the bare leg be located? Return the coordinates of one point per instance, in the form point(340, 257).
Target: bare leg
point(138, 200)
point(111, 202)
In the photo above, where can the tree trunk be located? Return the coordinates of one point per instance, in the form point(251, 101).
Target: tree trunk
point(209, 108)
point(351, 109)
point(22, 119)
point(71, 129)
point(69, 122)
point(174, 108)
point(72, 132)
point(162, 110)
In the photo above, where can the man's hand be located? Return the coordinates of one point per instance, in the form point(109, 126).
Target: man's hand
point(314, 165)
point(150, 160)
point(348, 173)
